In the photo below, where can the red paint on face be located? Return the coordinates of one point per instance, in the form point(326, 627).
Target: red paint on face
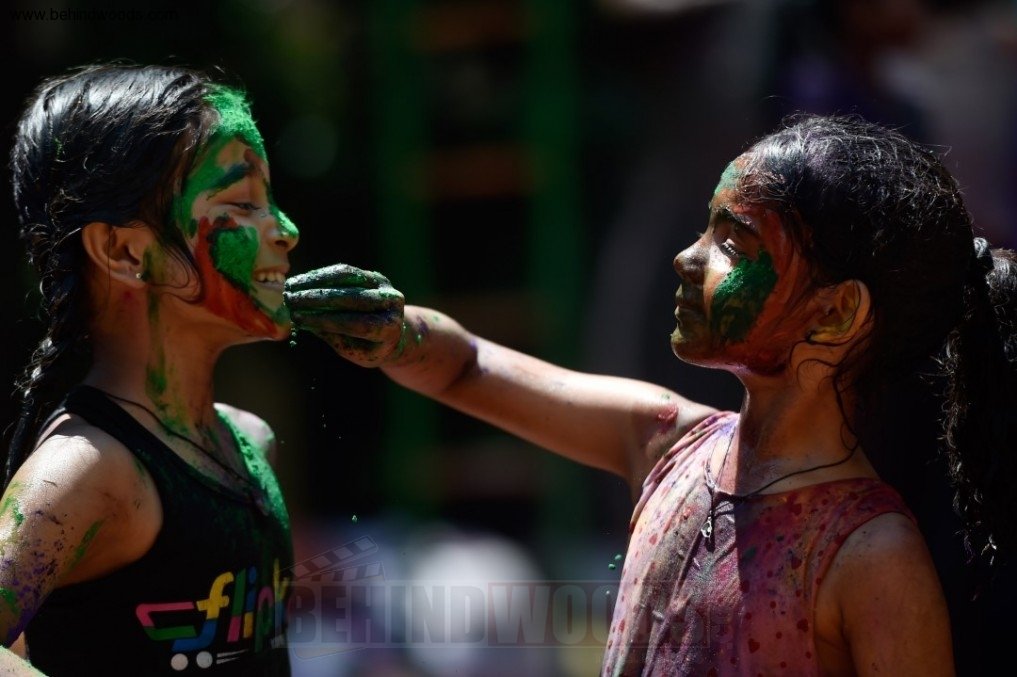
point(220, 296)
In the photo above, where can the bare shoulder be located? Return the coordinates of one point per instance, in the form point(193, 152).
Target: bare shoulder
point(79, 507)
point(253, 427)
point(885, 601)
point(78, 456)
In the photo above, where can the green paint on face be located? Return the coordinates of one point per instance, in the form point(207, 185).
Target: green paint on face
point(235, 121)
point(730, 178)
point(80, 551)
point(205, 175)
point(10, 599)
point(234, 252)
point(286, 226)
point(740, 296)
point(235, 173)
point(235, 117)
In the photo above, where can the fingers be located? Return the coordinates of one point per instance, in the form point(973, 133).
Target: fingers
point(356, 298)
point(365, 326)
point(338, 275)
point(356, 311)
point(363, 352)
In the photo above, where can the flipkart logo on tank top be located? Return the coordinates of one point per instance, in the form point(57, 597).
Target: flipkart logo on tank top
point(242, 613)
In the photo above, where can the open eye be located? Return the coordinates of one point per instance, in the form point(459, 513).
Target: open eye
point(730, 250)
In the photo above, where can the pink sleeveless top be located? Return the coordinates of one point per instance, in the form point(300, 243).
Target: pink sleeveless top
point(743, 602)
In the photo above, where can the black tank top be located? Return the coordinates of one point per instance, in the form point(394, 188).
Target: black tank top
point(209, 597)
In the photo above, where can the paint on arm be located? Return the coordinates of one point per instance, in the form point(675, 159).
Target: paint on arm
point(37, 548)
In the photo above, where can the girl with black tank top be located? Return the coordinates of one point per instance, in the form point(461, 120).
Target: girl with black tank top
point(142, 530)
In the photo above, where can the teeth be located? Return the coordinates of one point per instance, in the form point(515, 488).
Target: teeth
point(269, 276)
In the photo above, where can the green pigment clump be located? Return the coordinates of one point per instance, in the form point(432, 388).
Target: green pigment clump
point(235, 117)
point(235, 251)
point(729, 179)
point(259, 468)
point(11, 600)
point(740, 296)
point(286, 226)
point(11, 503)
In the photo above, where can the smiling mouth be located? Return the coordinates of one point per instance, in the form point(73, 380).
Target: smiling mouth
point(270, 279)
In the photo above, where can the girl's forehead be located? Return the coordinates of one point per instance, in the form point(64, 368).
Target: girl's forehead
point(225, 153)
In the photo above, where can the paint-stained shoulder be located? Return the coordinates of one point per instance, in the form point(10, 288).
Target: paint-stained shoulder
point(79, 507)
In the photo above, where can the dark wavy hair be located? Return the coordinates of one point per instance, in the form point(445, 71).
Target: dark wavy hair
point(864, 202)
point(108, 143)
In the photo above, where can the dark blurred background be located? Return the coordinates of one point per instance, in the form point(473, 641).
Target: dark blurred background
point(530, 167)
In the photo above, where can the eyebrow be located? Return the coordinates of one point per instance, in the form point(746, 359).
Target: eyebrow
point(728, 215)
point(236, 173)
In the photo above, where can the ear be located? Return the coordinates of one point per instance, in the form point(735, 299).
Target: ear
point(120, 250)
point(842, 313)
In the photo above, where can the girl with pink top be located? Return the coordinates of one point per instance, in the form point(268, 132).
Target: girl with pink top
point(838, 257)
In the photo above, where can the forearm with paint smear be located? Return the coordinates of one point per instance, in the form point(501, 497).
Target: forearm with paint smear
point(434, 351)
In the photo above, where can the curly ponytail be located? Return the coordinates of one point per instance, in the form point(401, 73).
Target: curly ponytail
point(866, 203)
point(980, 428)
point(106, 143)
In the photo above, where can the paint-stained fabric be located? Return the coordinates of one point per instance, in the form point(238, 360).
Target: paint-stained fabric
point(209, 597)
point(743, 602)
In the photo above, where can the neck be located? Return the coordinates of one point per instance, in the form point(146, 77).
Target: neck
point(788, 424)
point(143, 353)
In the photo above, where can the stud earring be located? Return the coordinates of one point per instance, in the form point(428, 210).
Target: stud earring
point(138, 275)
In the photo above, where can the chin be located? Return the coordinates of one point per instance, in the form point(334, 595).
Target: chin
point(270, 328)
point(711, 356)
point(689, 351)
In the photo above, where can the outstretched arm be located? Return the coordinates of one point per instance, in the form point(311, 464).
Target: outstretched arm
point(616, 424)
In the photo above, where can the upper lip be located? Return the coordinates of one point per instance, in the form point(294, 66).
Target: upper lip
point(686, 301)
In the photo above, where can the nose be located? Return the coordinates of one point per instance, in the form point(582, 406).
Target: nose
point(688, 263)
point(282, 232)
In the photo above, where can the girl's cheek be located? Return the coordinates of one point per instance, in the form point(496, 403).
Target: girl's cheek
point(234, 252)
point(741, 298)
